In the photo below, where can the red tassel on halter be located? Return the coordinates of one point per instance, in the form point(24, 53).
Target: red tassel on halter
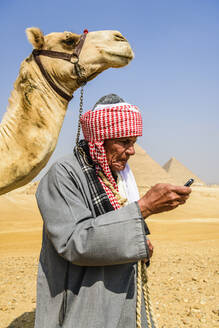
point(85, 31)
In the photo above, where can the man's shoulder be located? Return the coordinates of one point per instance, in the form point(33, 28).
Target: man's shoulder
point(63, 170)
point(68, 162)
point(68, 159)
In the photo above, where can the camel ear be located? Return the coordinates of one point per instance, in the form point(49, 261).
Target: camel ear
point(35, 36)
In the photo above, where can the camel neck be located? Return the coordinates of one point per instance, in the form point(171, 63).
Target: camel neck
point(30, 128)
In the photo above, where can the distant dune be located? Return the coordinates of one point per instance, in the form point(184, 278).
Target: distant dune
point(29, 189)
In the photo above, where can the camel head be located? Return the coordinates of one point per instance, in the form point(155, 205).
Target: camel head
point(58, 65)
point(100, 51)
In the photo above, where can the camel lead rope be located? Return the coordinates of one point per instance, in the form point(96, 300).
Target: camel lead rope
point(80, 112)
point(146, 293)
point(120, 199)
point(142, 285)
point(138, 296)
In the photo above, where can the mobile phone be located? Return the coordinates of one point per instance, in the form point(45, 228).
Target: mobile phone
point(189, 182)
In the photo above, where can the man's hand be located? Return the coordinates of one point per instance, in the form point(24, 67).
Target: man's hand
point(151, 249)
point(163, 197)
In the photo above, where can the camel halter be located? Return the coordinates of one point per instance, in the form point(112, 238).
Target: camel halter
point(72, 58)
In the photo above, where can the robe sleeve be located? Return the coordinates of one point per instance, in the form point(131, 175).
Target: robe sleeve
point(113, 238)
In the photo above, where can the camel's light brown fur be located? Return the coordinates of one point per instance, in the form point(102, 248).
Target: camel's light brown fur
point(30, 127)
point(36, 37)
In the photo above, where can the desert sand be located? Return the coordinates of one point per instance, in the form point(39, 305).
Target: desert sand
point(183, 275)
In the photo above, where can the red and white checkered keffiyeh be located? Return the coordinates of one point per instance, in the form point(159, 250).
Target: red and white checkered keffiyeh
point(109, 122)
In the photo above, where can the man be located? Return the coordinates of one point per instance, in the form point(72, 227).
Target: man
point(94, 226)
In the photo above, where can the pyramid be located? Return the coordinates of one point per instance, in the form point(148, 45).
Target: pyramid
point(146, 171)
point(180, 173)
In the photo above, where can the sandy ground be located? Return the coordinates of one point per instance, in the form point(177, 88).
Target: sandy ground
point(184, 271)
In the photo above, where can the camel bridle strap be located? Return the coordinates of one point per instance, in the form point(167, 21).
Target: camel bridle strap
point(72, 58)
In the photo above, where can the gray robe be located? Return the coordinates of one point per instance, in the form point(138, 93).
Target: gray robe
point(92, 258)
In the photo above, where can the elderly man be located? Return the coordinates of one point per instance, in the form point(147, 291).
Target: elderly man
point(94, 226)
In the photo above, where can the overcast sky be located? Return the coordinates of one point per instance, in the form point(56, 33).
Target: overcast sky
point(174, 78)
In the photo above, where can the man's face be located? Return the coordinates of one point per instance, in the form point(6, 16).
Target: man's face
point(118, 152)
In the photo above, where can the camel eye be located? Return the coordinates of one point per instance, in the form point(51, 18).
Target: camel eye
point(70, 42)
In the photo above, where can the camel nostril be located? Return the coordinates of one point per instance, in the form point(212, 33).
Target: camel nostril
point(119, 37)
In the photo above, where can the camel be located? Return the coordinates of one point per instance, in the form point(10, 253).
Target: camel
point(30, 127)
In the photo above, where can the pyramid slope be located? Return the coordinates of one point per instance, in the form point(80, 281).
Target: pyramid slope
point(146, 171)
point(181, 173)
